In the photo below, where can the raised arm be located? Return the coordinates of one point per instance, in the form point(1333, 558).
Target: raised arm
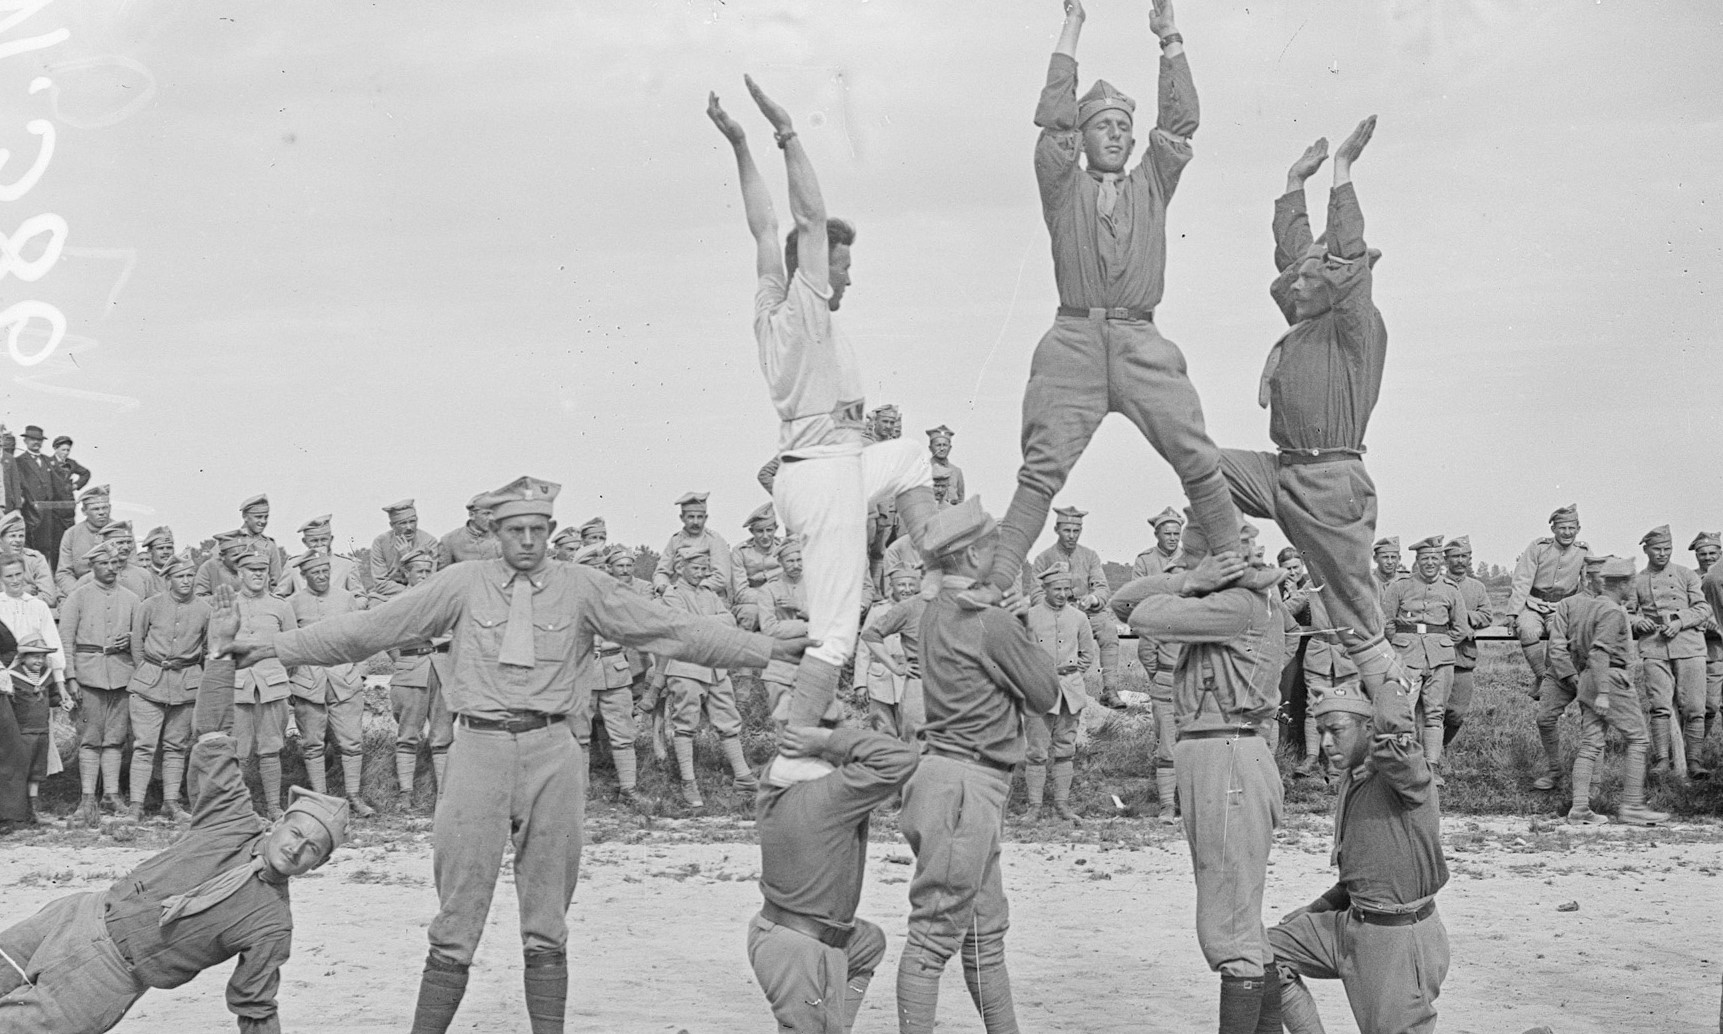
point(1292, 237)
point(1178, 113)
point(1058, 146)
point(807, 208)
point(1395, 751)
point(756, 199)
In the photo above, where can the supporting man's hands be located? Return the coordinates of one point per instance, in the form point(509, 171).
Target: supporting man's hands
point(803, 741)
point(1307, 164)
point(731, 129)
point(774, 112)
point(791, 650)
point(1214, 571)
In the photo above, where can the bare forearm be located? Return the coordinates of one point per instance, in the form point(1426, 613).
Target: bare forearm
point(1068, 35)
point(756, 199)
point(808, 209)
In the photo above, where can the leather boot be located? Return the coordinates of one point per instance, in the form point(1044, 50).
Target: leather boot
point(1551, 739)
point(1063, 772)
point(1660, 764)
point(1694, 769)
point(1167, 784)
point(1035, 788)
point(89, 813)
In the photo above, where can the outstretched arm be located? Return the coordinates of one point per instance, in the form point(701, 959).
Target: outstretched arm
point(1178, 113)
point(1162, 25)
point(756, 199)
point(807, 208)
point(1345, 219)
point(1074, 16)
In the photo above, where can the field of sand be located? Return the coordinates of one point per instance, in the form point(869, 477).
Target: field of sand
point(1101, 938)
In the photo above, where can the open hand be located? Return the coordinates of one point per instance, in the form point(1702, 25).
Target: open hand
point(1308, 162)
point(1074, 11)
point(803, 742)
point(1161, 17)
point(1353, 145)
point(731, 129)
point(223, 621)
point(774, 112)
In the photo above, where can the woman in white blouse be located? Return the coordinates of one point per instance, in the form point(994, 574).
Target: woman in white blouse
point(26, 615)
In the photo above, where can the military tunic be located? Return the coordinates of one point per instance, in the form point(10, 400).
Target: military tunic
point(718, 550)
point(91, 618)
point(1546, 572)
point(327, 698)
point(1426, 619)
point(1065, 635)
point(79, 539)
point(466, 544)
point(1088, 579)
point(898, 705)
point(1674, 668)
point(1478, 615)
point(384, 563)
point(167, 647)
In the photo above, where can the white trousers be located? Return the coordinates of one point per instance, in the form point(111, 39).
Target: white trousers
point(825, 501)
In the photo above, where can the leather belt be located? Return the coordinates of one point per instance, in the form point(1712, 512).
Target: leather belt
point(109, 650)
point(610, 651)
point(1423, 627)
point(1364, 915)
point(516, 723)
point(1553, 595)
point(827, 934)
point(179, 664)
point(1231, 731)
point(1118, 313)
point(967, 755)
point(1307, 456)
point(418, 651)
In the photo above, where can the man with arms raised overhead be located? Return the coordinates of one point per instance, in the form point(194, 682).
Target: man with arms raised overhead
point(829, 478)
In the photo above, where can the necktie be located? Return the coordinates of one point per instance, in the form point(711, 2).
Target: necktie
point(1109, 194)
point(210, 892)
point(517, 637)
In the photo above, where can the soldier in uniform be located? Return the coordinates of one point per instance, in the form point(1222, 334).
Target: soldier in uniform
point(1386, 554)
point(254, 518)
point(783, 615)
point(1103, 352)
point(1065, 633)
point(1546, 573)
point(1327, 666)
point(813, 956)
point(474, 540)
point(1376, 929)
point(609, 687)
point(1557, 694)
point(565, 544)
point(696, 535)
point(620, 564)
point(328, 699)
point(1088, 576)
point(37, 573)
point(594, 531)
point(223, 567)
point(169, 633)
point(939, 449)
point(1590, 651)
point(753, 563)
point(157, 551)
point(522, 626)
point(260, 693)
point(897, 703)
point(1458, 556)
point(133, 573)
point(1228, 689)
point(416, 694)
point(96, 628)
point(1707, 548)
point(1668, 628)
point(1427, 617)
point(982, 674)
point(1159, 659)
point(318, 535)
point(404, 536)
point(700, 689)
point(82, 537)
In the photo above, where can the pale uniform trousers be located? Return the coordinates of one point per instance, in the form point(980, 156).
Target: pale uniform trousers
point(74, 979)
point(1624, 715)
point(690, 698)
point(421, 711)
point(896, 705)
point(611, 698)
point(826, 500)
point(526, 788)
point(808, 982)
point(953, 816)
point(328, 701)
point(1232, 798)
point(1086, 367)
point(1052, 736)
point(161, 727)
point(1392, 974)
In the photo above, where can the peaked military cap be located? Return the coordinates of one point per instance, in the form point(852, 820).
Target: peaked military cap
point(596, 524)
point(117, 530)
point(180, 564)
point(1348, 698)
point(524, 495)
point(423, 554)
point(100, 551)
point(256, 500)
point(793, 544)
point(1658, 536)
point(935, 433)
point(1058, 571)
point(592, 554)
point(402, 510)
point(566, 537)
point(693, 499)
point(1433, 544)
point(15, 519)
point(1460, 544)
point(479, 502)
point(306, 561)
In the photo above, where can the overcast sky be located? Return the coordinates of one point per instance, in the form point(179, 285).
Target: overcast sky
point(347, 254)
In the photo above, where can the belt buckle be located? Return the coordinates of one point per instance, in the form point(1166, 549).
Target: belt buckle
point(1423, 629)
point(514, 724)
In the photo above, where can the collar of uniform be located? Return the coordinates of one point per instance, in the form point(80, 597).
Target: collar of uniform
point(955, 581)
point(537, 578)
point(1101, 177)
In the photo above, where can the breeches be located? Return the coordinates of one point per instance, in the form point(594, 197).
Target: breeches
point(1623, 715)
point(74, 980)
point(526, 788)
point(616, 707)
point(107, 718)
point(806, 981)
point(1328, 511)
point(1679, 682)
point(418, 708)
point(952, 816)
point(1430, 689)
point(259, 728)
point(1230, 794)
point(690, 698)
point(1392, 974)
point(345, 719)
point(165, 725)
point(825, 500)
point(904, 718)
point(1051, 734)
point(1460, 697)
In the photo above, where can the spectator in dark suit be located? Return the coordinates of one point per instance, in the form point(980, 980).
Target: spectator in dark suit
point(36, 480)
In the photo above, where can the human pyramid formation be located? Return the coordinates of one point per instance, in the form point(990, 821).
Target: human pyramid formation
point(517, 633)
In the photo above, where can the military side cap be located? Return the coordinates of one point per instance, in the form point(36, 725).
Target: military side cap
point(956, 527)
point(1433, 544)
point(1068, 515)
point(1247, 530)
point(180, 564)
point(936, 433)
point(889, 409)
point(592, 554)
point(254, 501)
point(687, 553)
point(230, 543)
point(1102, 96)
point(402, 510)
point(1570, 512)
point(1169, 514)
point(319, 523)
point(251, 558)
point(117, 530)
point(33, 433)
point(942, 475)
point(1706, 538)
point(524, 495)
point(1391, 543)
point(764, 513)
point(1056, 572)
point(793, 544)
point(100, 551)
point(899, 574)
point(596, 524)
point(479, 502)
point(97, 492)
point(34, 644)
point(1459, 544)
point(1658, 536)
point(161, 534)
point(619, 553)
point(1594, 561)
point(1350, 699)
point(15, 519)
point(330, 812)
point(423, 554)
point(567, 536)
point(1617, 567)
point(692, 499)
point(307, 561)
point(64, 439)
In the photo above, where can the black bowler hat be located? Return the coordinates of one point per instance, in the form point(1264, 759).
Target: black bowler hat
point(34, 432)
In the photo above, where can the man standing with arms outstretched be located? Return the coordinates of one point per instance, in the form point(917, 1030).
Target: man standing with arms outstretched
point(1320, 385)
point(829, 478)
point(1103, 353)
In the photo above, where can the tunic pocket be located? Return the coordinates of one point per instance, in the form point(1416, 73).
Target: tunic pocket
point(553, 640)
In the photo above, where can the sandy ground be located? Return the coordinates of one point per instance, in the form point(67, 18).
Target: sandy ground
point(1101, 937)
